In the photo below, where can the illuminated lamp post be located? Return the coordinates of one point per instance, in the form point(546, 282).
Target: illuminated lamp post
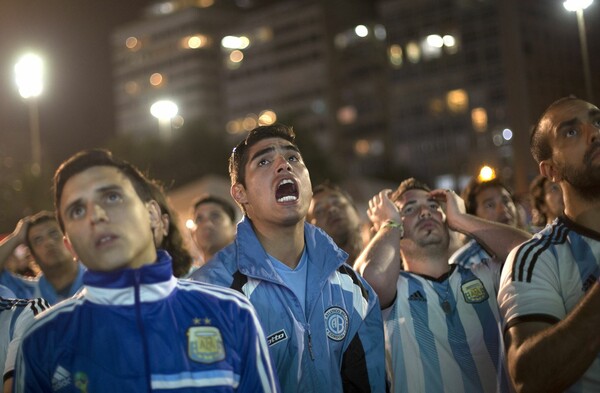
point(578, 6)
point(164, 111)
point(29, 72)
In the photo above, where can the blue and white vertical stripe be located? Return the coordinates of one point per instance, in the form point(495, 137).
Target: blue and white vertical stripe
point(429, 350)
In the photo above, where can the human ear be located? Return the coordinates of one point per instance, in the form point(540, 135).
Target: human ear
point(155, 214)
point(165, 224)
point(238, 193)
point(69, 246)
point(548, 170)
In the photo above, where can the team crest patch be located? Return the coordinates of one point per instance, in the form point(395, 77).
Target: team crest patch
point(336, 323)
point(205, 344)
point(81, 382)
point(474, 291)
point(277, 337)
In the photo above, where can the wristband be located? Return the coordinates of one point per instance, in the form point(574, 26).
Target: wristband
point(393, 224)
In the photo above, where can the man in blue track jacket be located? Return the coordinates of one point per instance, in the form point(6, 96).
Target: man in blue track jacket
point(134, 327)
point(322, 320)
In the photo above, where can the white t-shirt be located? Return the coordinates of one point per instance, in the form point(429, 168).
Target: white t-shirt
point(545, 278)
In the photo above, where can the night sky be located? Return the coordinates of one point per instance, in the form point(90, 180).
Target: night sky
point(73, 36)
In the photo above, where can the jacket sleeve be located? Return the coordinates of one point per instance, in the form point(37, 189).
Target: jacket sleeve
point(31, 374)
point(363, 363)
point(258, 371)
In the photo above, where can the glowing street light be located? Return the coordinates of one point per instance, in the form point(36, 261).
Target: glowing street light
point(486, 173)
point(164, 111)
point(29, 75)
point(578, 6)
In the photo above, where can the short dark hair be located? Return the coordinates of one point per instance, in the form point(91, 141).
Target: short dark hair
point(226, 206)
point(475, 187)
point(407, 185)
point(538, 140)
point(86, 159)
point(537, 193)
point(327, 185)
point(36, 219)
point(239, 156)
point(173, 242)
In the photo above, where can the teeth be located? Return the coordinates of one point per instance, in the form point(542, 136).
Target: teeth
point(104, 239)
point(287, 198)
point(286, 181)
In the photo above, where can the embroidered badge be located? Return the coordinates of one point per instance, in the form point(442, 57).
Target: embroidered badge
point(336, 323)
point(205, 344)
point(277, 337)
point(81, 382)
point(474, 291)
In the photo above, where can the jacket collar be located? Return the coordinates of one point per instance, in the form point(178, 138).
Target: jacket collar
point(155, 282)
point(323, 254)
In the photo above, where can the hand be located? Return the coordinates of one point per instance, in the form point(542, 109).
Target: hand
point(454, 205)
point(20, 230)
point(381, 208)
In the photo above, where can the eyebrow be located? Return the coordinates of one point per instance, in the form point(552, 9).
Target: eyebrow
point(272, 148)
point(100, 190)
point(571, 122)
point(566, 123)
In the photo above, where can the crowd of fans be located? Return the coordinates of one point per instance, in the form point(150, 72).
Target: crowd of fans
point(469, 290)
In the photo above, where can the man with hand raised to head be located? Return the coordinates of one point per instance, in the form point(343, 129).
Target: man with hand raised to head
point(440, 312)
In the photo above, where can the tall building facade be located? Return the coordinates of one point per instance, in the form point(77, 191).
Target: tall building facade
point(469, 78)
point(392, 88)
point(319, 65)
point(172, 53)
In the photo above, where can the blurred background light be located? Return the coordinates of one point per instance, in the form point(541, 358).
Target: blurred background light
point(486, 173)
point(361, 31)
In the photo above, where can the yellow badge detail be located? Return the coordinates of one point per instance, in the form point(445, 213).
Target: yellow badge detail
point(205, 344)
point(81, 382)
point(474, 291)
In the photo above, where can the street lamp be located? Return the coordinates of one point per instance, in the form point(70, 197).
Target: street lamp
point(578, 6)
point(29, 73)
point(164, 111)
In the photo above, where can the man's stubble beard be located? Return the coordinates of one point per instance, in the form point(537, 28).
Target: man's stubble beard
point(586, 180)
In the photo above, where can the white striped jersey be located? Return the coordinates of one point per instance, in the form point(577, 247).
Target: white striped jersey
point(455, 347)
point(15, 316)
point(545, 278)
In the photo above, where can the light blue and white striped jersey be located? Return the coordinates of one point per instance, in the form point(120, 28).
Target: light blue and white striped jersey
point(545, 278)
point(444, 335)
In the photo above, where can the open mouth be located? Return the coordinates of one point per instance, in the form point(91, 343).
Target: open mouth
point(286, 191)
point(104, 240)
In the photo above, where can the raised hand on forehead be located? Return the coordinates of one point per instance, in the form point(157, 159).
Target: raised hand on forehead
point(381, 209)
